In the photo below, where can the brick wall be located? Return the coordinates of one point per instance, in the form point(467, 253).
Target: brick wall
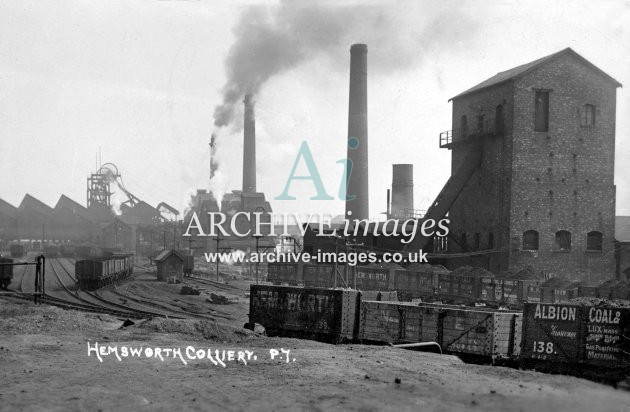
point(483, 206)
point(562, 179)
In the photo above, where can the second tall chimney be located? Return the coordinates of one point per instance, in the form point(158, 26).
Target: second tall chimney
point(357, 178)
point(402, 191)
point(249, 146)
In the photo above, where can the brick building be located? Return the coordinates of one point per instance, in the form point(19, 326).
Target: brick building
point(541, 141)
point(622, 249)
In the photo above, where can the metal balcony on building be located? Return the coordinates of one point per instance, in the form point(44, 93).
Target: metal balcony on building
point(483, 127)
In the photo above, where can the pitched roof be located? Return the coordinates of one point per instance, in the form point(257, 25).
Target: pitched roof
point(7, 208)
point(142, 210)
point(528, 67)
point(622, 228)
point(65, 202)
point(30, 202)
point(166, 253)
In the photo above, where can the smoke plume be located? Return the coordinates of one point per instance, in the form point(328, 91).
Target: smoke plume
point(270, 40)
point(274, 39)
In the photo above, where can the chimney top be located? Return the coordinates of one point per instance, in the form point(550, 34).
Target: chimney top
point(358, 47)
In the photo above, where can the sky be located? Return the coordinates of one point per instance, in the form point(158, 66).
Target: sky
point(146, 83)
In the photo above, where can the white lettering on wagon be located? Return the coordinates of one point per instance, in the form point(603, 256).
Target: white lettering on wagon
point(550, 312)
point(562, 333)
point(608, 316)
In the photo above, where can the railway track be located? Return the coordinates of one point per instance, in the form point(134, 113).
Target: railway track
point(214, 283)
point(95, 303)
point(103, 306)
point(164, 310)
point(66, 304)
point(142, 301)
point(96, 295)
point(145, 268)
point(21, 286)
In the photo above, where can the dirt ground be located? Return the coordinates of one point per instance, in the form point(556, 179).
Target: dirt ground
point(44, 365)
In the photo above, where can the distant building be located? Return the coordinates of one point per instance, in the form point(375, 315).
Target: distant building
point(541, 140)
point(8, 221)
point(117, 235)
point(35, 220)
point(72, 221)
point(170, 263)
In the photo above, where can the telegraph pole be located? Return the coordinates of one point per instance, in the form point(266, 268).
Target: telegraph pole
point(257, 256)
point(218, 239)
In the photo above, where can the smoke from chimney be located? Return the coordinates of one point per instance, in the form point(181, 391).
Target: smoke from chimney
point(274, 39)
point(213, 153)
point(270, 40)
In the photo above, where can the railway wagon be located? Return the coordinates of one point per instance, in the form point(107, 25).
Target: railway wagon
point(311, 313)
point(371, 278)
point(284, 273)
point(613, 289)
point(416, 284)
point(424, 284)
point(66, 250)
point(87, 251)
point(586, 340)
point(474, 332)
point(6, 272)
point(464, 289)
point(318, 276)
point(514, 292)
point(51, 251)
point(557, 294)
point(92, 274)
point(17, 250)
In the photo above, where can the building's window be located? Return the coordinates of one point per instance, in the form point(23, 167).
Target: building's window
point(463, 125)
point(563, 240)
point(498, 119)
point(541, 110)
point(480, 123)
point(594, 241)
point(464, 240)
point(588, 116)
point(477, 241)
point(530, 240)
point(490, 240)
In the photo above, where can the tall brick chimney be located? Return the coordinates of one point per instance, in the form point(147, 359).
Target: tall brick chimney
point(357, 178)
point(249, 146)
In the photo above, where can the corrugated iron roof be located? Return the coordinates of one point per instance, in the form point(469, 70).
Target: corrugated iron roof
point(527, 67)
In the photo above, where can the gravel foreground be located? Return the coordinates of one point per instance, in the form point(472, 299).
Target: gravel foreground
point(44, 365)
